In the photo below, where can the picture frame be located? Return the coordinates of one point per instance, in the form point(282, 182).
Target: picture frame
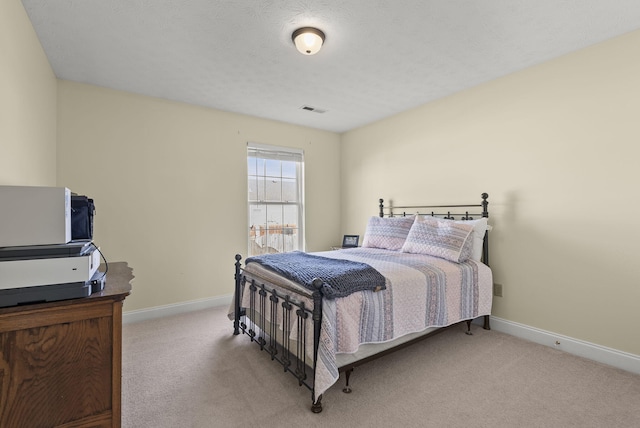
point(350, 241)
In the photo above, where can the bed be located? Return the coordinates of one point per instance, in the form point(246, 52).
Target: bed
point(420, 269)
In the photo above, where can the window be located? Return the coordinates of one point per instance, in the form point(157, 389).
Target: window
point(276, 201)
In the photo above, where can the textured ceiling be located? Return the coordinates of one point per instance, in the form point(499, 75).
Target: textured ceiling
point(380, 57)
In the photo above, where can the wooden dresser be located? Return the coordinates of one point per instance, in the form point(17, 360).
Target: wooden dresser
point(60, 362)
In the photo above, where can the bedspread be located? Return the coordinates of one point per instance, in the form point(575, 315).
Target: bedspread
point(421, 292)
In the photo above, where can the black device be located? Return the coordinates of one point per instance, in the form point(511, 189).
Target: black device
point(28, 252)
point(82, 211)
point(44, 293)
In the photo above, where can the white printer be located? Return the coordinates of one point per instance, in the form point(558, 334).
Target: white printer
point(30, 266)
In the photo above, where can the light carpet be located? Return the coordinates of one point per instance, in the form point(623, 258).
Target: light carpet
point(189, 370)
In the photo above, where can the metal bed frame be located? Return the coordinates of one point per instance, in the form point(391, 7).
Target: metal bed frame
point(264, 299)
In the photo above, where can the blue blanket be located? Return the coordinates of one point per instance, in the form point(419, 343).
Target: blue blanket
point(340, 277)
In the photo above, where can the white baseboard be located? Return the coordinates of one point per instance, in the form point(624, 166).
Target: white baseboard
point(601, 354)
point(174, 309)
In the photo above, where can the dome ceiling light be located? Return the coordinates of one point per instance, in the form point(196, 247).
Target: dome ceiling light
point(308, 40)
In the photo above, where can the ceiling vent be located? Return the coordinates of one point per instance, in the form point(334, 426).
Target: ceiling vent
point(313, 109)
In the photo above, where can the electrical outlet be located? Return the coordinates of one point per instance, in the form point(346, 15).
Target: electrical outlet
point(497, 289)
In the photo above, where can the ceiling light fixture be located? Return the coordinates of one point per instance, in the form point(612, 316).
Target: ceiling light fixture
point(308, 40)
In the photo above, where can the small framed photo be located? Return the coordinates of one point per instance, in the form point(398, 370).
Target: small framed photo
point(350, 241)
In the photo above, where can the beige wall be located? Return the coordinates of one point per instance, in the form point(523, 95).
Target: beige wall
point(169, 181)
point(556, 147)
point(27, 103)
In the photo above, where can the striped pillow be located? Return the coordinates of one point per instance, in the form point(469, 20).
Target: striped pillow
point(439, 238)
point(387, 232)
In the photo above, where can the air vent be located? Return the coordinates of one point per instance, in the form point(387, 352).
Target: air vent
point(313, 109)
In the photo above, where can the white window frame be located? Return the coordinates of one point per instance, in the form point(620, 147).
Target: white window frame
point(285, 243)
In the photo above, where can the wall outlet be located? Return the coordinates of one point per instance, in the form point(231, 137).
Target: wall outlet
point(497, 289)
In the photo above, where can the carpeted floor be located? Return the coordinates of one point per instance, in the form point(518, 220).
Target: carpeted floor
point(190, 371)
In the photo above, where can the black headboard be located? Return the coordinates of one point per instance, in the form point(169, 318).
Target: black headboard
point(452, 212)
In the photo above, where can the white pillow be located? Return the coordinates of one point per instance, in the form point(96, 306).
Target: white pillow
point(449, 240)
point(480, 226)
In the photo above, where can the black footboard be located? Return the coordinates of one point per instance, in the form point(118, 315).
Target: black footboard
point(265, 305)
